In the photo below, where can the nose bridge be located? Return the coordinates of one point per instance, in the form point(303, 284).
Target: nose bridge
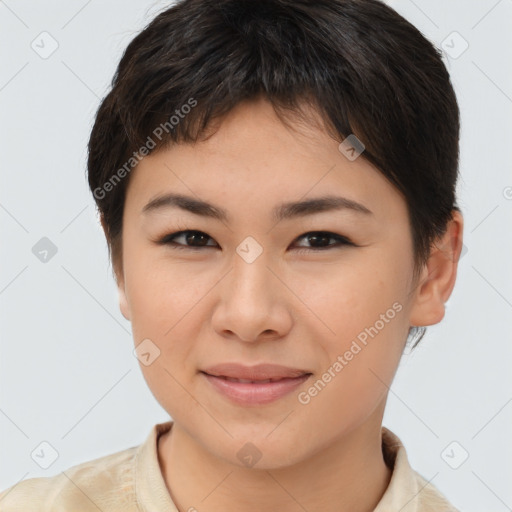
point(250, 303)
point(250, 281)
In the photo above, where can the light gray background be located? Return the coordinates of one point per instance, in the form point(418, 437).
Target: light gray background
point(68, 375)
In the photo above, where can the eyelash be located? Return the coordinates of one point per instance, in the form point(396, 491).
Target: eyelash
point(169, 240)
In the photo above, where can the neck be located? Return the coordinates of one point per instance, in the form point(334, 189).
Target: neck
point(348, 475)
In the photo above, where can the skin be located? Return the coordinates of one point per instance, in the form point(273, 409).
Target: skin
point(299, 309)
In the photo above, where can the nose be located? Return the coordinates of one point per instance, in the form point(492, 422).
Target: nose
point(253, 303)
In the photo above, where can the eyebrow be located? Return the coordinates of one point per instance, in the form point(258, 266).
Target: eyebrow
point(280, 212)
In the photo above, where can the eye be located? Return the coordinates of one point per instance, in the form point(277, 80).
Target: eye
point(320, 240)
point(193, 239)
point(181, 239)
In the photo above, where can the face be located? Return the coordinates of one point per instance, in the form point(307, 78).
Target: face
point(324, 287)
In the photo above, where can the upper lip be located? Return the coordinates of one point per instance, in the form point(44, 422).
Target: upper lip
point(258, 372)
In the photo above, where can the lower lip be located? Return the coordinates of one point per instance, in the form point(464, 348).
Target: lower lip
point(246, 393)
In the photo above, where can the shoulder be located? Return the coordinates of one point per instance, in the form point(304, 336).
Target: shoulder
point(408, 491)
point(105, 483)
point(429, 497)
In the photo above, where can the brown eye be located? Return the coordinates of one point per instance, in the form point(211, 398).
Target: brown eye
point(320, 240)
point(189, 238)
point(193, 239)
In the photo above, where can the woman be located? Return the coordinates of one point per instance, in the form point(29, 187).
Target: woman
point(276, 182)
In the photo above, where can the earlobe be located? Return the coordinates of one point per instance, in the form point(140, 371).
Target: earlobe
point(124, 304)
point(118, 276)
point(438, 277)
point(123, 301)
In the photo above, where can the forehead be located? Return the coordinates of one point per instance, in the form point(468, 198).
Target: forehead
point(253, 158)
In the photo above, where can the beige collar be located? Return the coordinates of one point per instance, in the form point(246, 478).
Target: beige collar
point(401, 495)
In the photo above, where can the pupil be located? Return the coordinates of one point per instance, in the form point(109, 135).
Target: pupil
point(317, 237)
point(190, 238)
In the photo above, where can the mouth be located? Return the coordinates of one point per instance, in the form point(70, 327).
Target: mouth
point(255, 385)
point(258, 373)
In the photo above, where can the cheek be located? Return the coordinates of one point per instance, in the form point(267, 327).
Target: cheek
point(165, 300)
point(162, 293)
point(364, 315)
point(347, 298)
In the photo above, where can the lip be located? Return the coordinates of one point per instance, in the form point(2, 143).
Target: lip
point(283, 381)
point(262, 371)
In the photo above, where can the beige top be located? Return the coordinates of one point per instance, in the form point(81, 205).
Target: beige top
point(131, 481)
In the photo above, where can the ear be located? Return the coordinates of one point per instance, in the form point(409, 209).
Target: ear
point(119, 278)
point(437, 280)
point(123, 301)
